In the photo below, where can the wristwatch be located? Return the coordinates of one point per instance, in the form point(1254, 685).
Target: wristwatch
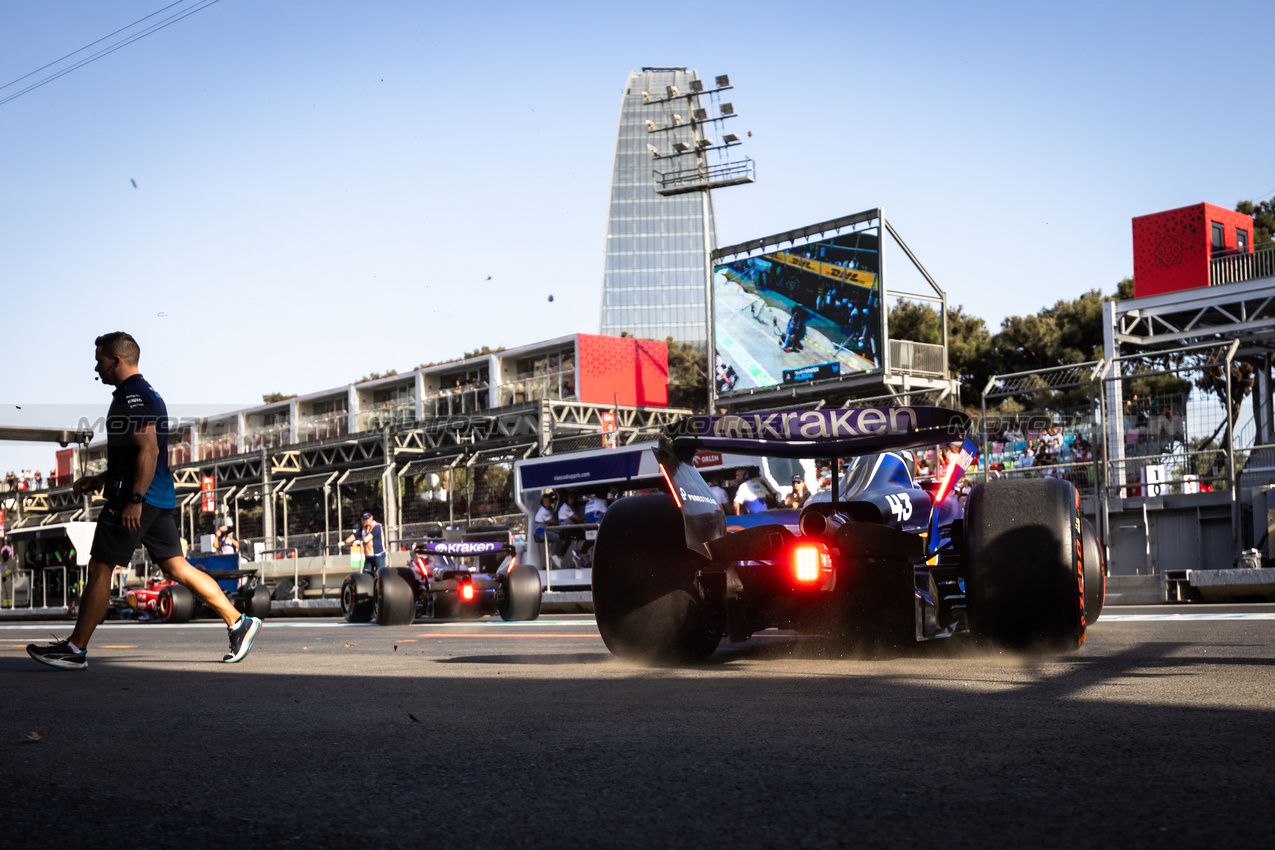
point(137, 498)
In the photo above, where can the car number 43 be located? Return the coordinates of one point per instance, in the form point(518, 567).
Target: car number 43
point(900, 506)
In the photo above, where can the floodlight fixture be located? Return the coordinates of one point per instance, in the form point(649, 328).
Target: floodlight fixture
point(650, 126)
point(723, 81)
point(700, 114)
point(728, 109)
point(681, 147)
point(654, 151)
point(730, 138)
point(646, 97)
point(677, 119)
point(672, 91)
point(705, 142)
point(697, 86)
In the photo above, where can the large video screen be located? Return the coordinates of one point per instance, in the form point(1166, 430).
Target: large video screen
point(799, 314)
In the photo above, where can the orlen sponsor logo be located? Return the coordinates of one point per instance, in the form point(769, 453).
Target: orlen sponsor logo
point(706, 459)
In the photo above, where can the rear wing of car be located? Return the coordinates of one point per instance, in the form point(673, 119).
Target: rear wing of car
point(819, 433)
point(461, 548)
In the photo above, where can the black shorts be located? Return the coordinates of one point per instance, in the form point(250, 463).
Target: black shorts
point(113, 544)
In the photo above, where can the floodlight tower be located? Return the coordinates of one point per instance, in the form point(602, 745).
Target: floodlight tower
point(698, 163)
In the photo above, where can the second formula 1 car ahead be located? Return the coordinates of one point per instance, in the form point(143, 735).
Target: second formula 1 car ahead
point(454, 579)
point(878, 560)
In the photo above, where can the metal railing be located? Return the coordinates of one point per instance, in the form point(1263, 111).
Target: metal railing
point(584, 528)
point(916, 358)
point(1236, 268)
point(705, 176)
point(283, 555)
point(553, 385)
point(385, 414)
point(471, 398)
point(322, 426)
point(267, 436)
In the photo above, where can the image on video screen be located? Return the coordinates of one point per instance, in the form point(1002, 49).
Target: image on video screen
point(799, 314)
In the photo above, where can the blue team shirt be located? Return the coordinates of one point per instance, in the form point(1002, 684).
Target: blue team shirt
point(134, 405)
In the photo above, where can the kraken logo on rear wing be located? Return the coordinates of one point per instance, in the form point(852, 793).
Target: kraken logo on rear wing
point(814, 433)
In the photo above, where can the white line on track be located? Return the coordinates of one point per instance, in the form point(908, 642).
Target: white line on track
point(1154, 618)
point(324, 624)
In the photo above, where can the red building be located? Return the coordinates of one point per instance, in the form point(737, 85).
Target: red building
point(1172, 249)
point(623, 370)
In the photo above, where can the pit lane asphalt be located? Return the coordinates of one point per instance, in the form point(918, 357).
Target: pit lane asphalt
point(1156, 733)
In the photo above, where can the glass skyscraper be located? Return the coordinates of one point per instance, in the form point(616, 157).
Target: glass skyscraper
point(653, 280)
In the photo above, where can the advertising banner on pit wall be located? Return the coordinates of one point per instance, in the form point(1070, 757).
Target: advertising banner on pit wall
point(799, 314)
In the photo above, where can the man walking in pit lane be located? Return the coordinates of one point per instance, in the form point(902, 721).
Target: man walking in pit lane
point(372, 536)
point(139, 510)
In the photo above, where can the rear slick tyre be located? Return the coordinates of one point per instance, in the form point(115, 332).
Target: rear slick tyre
point(1025, 575)
point(176, 604)
point(357, 598)
point(645, 598)
point(518, 593)
point(1095, 574)
point(259, 602)
point(395, 597)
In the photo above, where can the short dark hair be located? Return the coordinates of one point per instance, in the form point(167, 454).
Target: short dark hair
point(121, 345)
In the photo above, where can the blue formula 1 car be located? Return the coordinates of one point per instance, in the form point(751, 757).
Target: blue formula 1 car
point(449, 579)
point(880, 560)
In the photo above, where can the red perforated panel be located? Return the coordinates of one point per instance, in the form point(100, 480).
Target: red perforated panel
point(1171, 249)
point(621, 369)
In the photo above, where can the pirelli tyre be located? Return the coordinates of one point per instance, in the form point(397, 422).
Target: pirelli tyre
point(645, 598)
point(1024, 564)
point(175, 604)
point(357, 598)
point(395, 597)
point(518, 592)
point(257, 602)
point(1095, 574)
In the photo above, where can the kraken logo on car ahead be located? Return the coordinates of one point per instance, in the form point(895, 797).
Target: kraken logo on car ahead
point(900, 506)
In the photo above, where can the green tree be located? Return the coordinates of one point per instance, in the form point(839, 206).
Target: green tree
point(372, 377)
point(968, 342)
point(1263, 213)
point(271, 398)
point(687, 376)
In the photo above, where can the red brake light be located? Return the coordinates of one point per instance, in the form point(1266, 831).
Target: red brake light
point(808, 561)
point(467, 591)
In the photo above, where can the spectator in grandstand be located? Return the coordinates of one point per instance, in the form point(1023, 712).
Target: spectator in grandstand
point(226, 543)
point(799, 494)
point(39, 481)
point(372, 536)
point(1027, 459)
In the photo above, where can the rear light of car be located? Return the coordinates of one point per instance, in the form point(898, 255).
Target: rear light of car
point(467, 591)
point(809, 560)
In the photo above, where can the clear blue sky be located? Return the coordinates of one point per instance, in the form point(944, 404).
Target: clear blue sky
point(324, 187)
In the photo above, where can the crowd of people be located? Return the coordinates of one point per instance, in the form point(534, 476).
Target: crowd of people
point(29, 479)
